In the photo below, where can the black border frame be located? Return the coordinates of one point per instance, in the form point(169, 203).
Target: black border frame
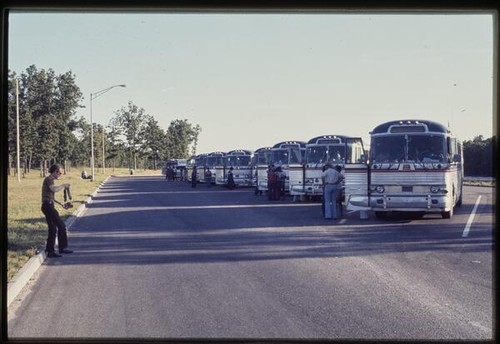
point(354, 6)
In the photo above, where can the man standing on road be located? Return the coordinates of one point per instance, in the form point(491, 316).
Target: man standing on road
point(54, 221)
point(331, 182)
point(194, 176)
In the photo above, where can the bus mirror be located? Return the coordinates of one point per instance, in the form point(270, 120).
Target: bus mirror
point(457, 158)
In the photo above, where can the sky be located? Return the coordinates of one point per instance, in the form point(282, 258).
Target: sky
point(251, 80)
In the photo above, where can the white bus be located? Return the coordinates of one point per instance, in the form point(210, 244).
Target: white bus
point(415, 166)
point(214, 161)
point(261, 161)
point(289, 155)
point(347, 152)
point(177, 166)
point(239, 160)
point(199, 161)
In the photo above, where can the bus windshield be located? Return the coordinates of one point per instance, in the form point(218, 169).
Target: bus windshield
point(214, 160)
point(263, 158)
point(286, 156)
point(408, 148)
point(321, 154)
point(238, 161)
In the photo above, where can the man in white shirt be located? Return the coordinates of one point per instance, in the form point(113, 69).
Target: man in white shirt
point(331, 185)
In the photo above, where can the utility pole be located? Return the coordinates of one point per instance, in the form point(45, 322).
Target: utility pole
point(103, 153)
point(17, 132)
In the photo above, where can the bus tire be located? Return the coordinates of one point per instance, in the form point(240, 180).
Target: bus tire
point(447, 214)
point(459, 201)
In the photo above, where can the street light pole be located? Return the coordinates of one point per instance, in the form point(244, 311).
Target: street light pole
point(103, 153)
point(92, 97)
point(17, 133)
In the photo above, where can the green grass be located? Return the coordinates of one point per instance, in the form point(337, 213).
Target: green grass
point(479, 183)
point(27, 229)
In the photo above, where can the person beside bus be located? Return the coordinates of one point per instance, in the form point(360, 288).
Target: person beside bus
point(208, 177)
point(193, 177)
point(280, 183)
point(331, 185)
point(272, 183)
point(230, 179)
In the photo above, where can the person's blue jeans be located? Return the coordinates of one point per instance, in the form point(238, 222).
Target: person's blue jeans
point(331, 191)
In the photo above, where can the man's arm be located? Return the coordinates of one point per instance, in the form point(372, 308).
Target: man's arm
point(57, 188)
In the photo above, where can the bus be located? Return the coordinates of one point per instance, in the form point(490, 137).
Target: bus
point(347, 152)
point(239, 160)
point(289, 155)
point(177, 166)
point(214, 160)
point(415, 166)
point(199, 161)
point(261, 161)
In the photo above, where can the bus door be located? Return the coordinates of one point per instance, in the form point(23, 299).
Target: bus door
point(356, 175)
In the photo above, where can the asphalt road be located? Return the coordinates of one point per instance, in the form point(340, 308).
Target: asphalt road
point(158, 259)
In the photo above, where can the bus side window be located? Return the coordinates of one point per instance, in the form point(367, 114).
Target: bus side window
point(452, 149)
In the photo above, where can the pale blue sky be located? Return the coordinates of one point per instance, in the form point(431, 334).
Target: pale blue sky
point(251, 80)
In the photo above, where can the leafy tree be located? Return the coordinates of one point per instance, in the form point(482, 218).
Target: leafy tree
point(479, 157)
point(47, 103)
point(180, 134)
point(131, 122)
point(154, 140)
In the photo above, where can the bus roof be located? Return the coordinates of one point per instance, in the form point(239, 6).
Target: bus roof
point(217, 154)
point(409, 126)
point(239, 152)
point(289, 144)
point(262, 149)
point(323, 139)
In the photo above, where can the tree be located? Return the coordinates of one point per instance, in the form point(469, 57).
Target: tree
point(478, 157)
point(180, 134)
point(131, 123)
point(47, 103)
point(154, 141)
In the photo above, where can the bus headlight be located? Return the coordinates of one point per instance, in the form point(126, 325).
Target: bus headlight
point(380, 189)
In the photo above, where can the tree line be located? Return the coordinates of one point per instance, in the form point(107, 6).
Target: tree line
point(50, 132)
point(479, 157)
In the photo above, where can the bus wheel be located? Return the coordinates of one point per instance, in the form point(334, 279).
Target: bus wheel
point(447, 214)
point(459, 202)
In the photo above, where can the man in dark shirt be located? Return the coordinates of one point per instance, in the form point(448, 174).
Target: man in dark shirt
point(54, 221)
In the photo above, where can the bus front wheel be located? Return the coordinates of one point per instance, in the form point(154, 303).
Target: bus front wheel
point(447, 214)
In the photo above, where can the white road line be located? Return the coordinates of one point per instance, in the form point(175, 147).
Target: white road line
point(471, 218)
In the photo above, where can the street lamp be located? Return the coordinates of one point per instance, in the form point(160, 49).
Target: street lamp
point(92, 97)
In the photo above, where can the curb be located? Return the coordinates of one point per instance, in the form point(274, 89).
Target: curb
point(21, 278)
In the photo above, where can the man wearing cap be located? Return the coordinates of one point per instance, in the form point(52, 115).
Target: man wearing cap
point(331, 185)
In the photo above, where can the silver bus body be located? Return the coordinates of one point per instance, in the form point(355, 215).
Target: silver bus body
point(415, 166)
point(262, 159)
point(347, 152)
point(240, 161)
point(214, 161)
point(289, 155)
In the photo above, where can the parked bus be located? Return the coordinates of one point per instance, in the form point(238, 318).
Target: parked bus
point(261, 161)
point(199, 161)
point(177, 166)
point(289, 155)
point(415, 166)
point(239, 160)
point(348, 152)
point(214, 160)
